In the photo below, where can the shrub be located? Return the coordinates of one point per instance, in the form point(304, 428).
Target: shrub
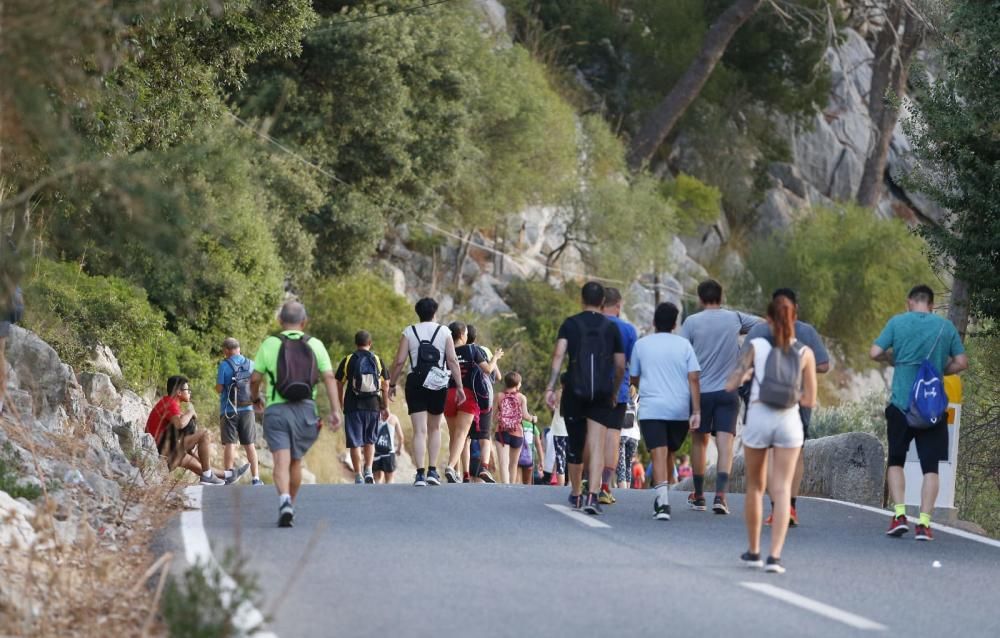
point(73, 312)
point(866, 415)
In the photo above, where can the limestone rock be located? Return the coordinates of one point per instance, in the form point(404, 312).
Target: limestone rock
point(494, 15)
point(99, 390)
point(16, 530)
point(40, 373)
point(486, 300)
point(104, 360)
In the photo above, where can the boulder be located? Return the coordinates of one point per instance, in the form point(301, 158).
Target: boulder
point(99, 390)
point(493, 15)
point(780, 209)
point(486, 301)
point(395, 277)
point(16, 531)
point(51, 384)
point(104, 360)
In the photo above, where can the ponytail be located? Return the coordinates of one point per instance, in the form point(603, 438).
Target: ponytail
point(781, 312)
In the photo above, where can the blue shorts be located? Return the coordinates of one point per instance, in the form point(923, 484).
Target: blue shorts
point(360, 427)
point(719, 412)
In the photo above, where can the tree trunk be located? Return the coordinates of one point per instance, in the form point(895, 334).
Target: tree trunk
point(662, 120)
point(893, 54)
point(958, 311)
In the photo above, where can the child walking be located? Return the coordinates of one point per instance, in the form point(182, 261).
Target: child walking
point(512, 408)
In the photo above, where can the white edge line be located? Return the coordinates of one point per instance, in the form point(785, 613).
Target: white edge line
point(586, 519)
point(961, 533)
point(197, 550)
point(833, 613)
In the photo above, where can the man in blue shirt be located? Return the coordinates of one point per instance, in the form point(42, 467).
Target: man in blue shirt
point(236, 418)
point(905, 342)
point(612, 309)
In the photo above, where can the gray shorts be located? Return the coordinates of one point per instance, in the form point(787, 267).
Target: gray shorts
point(291, 426)
point(238, 428)
point(4, 329)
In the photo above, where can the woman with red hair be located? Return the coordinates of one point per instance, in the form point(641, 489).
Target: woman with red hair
point(784, 377)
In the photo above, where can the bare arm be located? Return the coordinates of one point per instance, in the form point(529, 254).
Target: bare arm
point(334, 398)
point(451, 359)
point(527, 416)
point(402, 351)
point(956, 364)
point(619, 375)
point(878, 354)
point(400, 438)
point(218, 388)
point(743, 370)
point(256, 381)
point(808, 399)
point(634, 381)
point(557, 360)
point(694, 383)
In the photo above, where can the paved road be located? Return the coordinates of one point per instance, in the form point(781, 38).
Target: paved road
point(477, 560)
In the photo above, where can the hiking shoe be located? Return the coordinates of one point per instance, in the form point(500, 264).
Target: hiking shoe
point(359, 479)
point(486, 477)
point(923, 533)
point(451, 475)
point(433, 478)
point(606, 498)
point(696, 501)
point(774, 566)
point(256, 481)
point(419, 481)
point(237, 473)
point(369, 478)
point(751, 560)
point(592, 505)
point(793, 518)
point(286, 514)
point(719, 505)
point(212, 480)
point(661, 512)
point(898, 527)
point(576, 502)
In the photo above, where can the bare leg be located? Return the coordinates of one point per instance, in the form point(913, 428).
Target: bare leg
point(295, 477)
point(228, 455)
point(369, 455)
point(251, 451)
point(280, 472)
point(756, 468)
point(897, 484)
point(929, 492)
point(355, 459)
point(596, 434)
point(419, 421)
point(800, 470)
point(512, 456)
point(724, 441)
point(467, 456)
point(575, 478)
point(661, 465)
point(388, 477)
point(433, 438)
point(612, 448)
point(190, 463)
point(463, 421)
point(503, 452)
point(784, 468)
point(527, 475)
point(699, 450)
point(380, 476)
point(669, 469)
point(485, 451)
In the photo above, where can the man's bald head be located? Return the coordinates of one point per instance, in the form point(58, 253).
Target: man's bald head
point(292, 315)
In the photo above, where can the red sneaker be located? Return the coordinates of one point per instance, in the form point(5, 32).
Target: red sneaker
point(923, 533)
point(898, 527)
point(769, 520)
point(793, 518)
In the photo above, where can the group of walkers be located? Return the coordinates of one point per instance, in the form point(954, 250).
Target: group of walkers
point(662, 386)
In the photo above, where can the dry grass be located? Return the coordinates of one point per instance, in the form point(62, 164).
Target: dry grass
point(86, 573)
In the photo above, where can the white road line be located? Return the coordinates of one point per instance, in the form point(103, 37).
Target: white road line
point(198, 551)
point(846, 617)
point(961, 533)
point(586, 519)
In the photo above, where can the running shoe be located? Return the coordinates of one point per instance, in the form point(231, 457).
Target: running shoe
point(466, 479)
point(369, 478)
point(212, 480)
point(661, 512)
point(606, 498)
point(719, 505)
point(451, 475)
point(774, 566)
point(286, 514)
point(793, 518)
point(769, 519)
point(359, 479)
point(898, 527)
point(486, 477)
point(237, 473)
point(592, 505)
point(751, 560)
point(576, 502)
point(433, 478)
point(419, 481)
point(923, 533)
point(256, 481)
point(696, 501)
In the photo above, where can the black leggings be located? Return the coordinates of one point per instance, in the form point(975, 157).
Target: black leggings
point(576, 428)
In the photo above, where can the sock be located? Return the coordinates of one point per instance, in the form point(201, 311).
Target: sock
point(900, 509)
point(256, 477)
point(207, 474)
point(359, 475)
point(793, 501)
point(663, 493)
point(368, 469)
point(925, 519)
point(229, 473)
point(699, 483)
point(721, 481)
point(285, 498)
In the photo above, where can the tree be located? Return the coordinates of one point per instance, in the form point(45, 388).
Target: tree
point(956, 135)
point(665, 116)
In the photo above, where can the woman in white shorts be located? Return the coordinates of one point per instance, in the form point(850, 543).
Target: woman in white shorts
point(767, 427)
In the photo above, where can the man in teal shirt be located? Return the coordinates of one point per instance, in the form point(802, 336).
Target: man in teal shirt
point(905, 342)
point(292, 426)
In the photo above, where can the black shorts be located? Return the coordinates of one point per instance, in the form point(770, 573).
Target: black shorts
point(420, 399)
point(238, 428)
point(601, 410)
point(932, 443)
point(385, 463)
point(617, 417)
point(806, 414)
point(481, 426)
point(360, 427)
point(506, 438)
point(661, 433)
point(719, 412)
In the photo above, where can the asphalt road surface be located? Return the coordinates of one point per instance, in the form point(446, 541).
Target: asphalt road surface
point(485, 561)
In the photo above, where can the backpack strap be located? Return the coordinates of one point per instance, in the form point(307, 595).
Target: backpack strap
point(934, 347)
point(433, 338)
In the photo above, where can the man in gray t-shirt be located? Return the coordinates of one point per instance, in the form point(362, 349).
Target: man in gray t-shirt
point(807, 335)
point(714, 333)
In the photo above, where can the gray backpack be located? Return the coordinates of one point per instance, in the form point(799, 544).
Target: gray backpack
point(781, 381)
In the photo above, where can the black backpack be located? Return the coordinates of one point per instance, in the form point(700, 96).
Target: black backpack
point(482, 386)
point(364, 372)
point(238, 390)
point(428, 355)
point(591, 372)
point(383, 440)
point(298, 371)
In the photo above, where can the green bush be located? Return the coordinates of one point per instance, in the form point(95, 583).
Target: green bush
point(73, 312)
point(339, 307)
point(852, 271)
point(866, 415)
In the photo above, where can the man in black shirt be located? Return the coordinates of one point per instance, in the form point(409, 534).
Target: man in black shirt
point(595, 372)
point(362, 382)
